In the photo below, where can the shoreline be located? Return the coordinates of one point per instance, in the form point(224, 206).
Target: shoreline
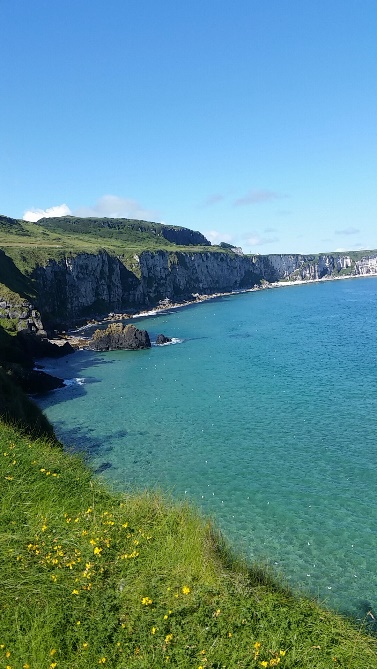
point(78, 340)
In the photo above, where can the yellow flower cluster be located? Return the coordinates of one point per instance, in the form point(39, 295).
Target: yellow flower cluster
point(273, 661)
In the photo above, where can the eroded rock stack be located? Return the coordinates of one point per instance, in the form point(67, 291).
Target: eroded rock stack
point(116, 336)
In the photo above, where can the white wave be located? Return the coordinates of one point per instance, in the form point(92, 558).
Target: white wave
point(174, 340)
point(74, 382)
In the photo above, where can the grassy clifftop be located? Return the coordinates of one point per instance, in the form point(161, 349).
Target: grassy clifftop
point(30, 243)
point(90, 578)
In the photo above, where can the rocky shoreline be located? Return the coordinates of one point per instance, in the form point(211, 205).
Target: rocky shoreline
point(78, 340)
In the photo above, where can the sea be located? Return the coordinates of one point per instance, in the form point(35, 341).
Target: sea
point(262, 412)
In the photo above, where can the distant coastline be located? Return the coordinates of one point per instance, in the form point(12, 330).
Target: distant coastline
point(77, 340)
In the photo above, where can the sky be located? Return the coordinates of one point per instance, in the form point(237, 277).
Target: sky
point(253, 121)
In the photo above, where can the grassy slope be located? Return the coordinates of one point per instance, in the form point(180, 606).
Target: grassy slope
point(90, 579)
point(30, 244)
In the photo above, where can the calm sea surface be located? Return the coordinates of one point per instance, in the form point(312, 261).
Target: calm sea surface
point(265, 416)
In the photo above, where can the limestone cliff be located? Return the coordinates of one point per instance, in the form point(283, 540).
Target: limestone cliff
point(84, 284)
point(80, 285)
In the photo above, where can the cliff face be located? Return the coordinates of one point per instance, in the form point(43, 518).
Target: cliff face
point(81, 285)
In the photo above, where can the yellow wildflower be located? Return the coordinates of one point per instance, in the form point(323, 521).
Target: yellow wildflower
point(53, 665)
point(102, 660)
point(282, 652)
point(75, 592)
point(146, 601)
point(257, 645)
point(185, 590)
point(168, 638)
point(53, 651)
point(153, 630)
point(85, 645)
point(264, 663)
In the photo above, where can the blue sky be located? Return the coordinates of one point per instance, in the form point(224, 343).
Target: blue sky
point(253, 121)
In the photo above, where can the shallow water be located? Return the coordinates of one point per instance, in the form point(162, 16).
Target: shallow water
point(264, 416)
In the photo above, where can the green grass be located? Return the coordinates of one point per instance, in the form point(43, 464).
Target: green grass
point(90, 578)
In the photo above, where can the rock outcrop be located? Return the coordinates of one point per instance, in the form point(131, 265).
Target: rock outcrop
point(116, 336)
point(33, 381)
point(84, 285)
point(162, 339)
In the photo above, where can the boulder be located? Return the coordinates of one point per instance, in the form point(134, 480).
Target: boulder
point(162, 339)
point(116, 336)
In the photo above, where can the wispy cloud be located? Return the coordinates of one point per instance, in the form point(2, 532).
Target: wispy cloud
point(257, 197)
point(347, 231)
point(216, 237)
point(33, 215)
point(112, 206)
point(212, 199)
point(255, 239)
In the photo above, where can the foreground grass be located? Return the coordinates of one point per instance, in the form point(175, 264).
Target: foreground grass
point(89, 578)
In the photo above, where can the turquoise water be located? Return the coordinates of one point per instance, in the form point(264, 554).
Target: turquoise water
point(264, 416)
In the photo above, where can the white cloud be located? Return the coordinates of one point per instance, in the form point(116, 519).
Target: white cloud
point(112, 206)
point(33, 215)
point(216, 237)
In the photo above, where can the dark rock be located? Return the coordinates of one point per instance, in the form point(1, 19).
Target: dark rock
point(33, 381)
point(116, 336)
point(41, 347)
point(162, 339)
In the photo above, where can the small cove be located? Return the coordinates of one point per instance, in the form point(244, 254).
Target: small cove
point(264, 416)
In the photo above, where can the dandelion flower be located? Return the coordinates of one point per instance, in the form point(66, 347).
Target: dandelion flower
point(185, 590)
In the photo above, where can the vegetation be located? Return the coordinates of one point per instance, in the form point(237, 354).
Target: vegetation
point(30, 244)
point(90, 578)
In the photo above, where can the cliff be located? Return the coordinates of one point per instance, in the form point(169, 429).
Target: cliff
point(63, 270)
point(78, 286)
